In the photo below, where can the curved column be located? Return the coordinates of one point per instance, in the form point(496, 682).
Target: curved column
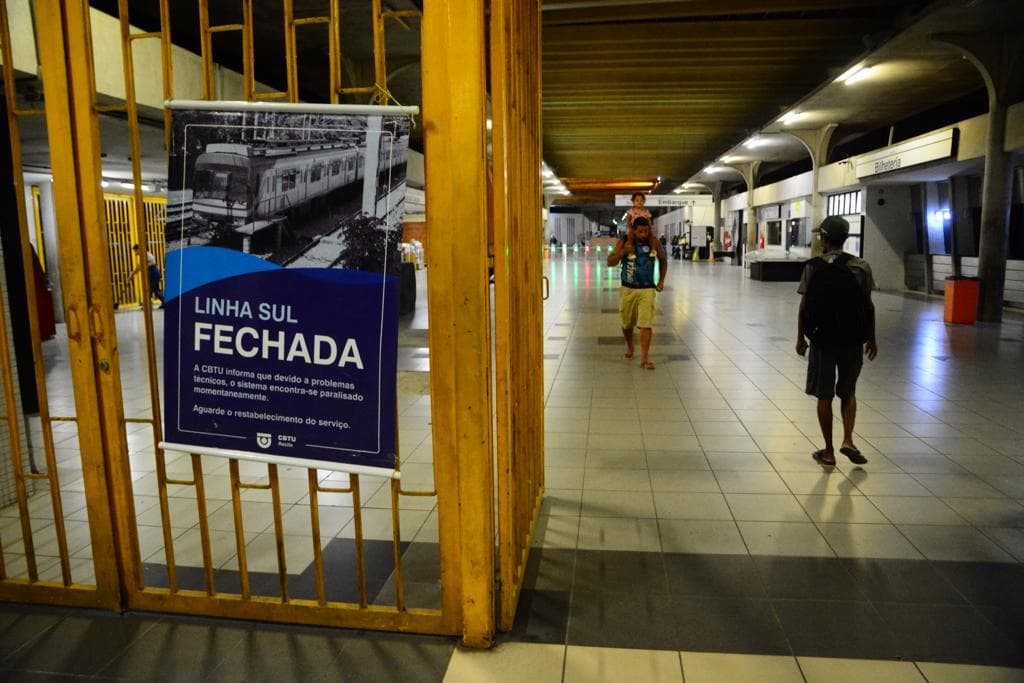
point(998, 59)
point(749, 170)
point(816, 140)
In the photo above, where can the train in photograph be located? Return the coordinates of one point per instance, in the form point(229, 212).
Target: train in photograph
point(237, 185)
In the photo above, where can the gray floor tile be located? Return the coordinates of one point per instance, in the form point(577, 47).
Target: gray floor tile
point(869, 540)
point(954, 543)
point(917, 510)
point(785, 538)
point(751, 482)
point(842, 509)
point(701, 536)
point(675, 505)
point(617, 504)
point(766, 507)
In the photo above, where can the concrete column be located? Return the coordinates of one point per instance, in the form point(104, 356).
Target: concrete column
point(999, 60)
point(816, 140)
point(716, 197)
point(960, 211)
point(749, 172)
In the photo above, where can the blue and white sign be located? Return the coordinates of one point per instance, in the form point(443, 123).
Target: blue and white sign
point(281, 321)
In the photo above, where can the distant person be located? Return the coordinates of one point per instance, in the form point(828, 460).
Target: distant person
point(837, 315)
point(637, 254)
point(637, 211)
point(153, 270)
point(663, 240)
point(554, 241)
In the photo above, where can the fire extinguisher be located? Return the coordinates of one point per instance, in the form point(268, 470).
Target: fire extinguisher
point(761, 241)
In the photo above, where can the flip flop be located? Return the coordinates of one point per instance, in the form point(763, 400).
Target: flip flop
point(629, 356)
point(824, 458)
point(854, 455)
point(647, 365)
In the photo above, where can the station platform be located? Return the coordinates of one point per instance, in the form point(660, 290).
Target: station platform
point(686, 533)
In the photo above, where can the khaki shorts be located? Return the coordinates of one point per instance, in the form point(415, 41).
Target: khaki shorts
point(636, 307)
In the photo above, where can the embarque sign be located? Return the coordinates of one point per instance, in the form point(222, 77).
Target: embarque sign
point(281, 320)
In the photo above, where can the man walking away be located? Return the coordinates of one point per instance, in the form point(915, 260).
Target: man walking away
point(637, 253)
point(838, 317)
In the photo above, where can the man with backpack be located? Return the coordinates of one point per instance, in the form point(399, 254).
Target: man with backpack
point(838, 317)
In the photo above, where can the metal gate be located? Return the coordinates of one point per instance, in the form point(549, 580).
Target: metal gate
point(105, 518)
point(519, 343)
point(122, 223)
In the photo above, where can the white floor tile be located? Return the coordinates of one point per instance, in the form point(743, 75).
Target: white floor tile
point(507, 663)
point(785, 538)
point(964, 673)
point(826, 670)
point(610, 665)
point(712, 667)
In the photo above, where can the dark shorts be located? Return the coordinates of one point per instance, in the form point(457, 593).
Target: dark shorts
point(822, 365)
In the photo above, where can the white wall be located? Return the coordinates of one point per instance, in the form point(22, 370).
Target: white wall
point(888, 233)
point(785, 190)
point(48, 221)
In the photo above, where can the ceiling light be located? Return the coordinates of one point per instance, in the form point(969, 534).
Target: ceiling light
point(490, 124)
point(756, 141)
point(729, 159)
point(859, 76)
point(104, 183)
point(849, 73)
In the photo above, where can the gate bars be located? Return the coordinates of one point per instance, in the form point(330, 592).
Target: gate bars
point(518, 319)
point(461, 393)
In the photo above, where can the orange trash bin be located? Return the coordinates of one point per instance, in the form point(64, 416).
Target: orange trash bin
point(961, 300)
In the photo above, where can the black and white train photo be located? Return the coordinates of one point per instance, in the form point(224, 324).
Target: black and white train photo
point(297, 189)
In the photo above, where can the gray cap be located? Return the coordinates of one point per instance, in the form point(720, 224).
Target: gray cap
point(834, 228)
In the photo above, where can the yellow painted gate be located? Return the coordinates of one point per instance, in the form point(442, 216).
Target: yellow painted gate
point(123, 233)
point(96, 513)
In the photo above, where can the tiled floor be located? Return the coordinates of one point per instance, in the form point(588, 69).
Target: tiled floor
point(685, 532)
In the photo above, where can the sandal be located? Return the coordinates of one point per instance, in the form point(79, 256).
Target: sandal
point(855, 456)
point(647, 365)
point(824, 458)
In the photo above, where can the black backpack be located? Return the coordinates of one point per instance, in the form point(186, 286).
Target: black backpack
point(835, 311)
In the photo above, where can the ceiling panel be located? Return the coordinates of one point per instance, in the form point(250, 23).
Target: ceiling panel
point(647, 89)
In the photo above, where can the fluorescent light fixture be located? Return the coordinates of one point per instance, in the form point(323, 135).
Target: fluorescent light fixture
point(147, 188)
point(859, 76)
point(104, 183)
point(756, 141)
point(849, 73)
point(729, 159)
point(792, 117)
point(490, 124)
point(128, 186)
point(713, 169)
point(547, 173)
